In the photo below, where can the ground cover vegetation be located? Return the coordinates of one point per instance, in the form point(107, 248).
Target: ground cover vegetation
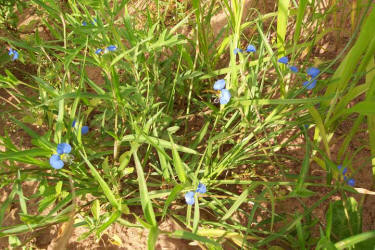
point(234, 132)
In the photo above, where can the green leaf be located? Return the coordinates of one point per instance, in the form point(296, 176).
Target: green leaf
point(282, 23)
point(180, 234)
point(152, 238)
point(159, 142)
point(364, 108)
point(172, 196)
point(359, 238)
point(145, 199)
point(177, 162)
point(26, 153)
point(58, 188)
point(114, 216)
point(107, 191)
point(241, 199)
point(95, 209)
point(261, 102)
point(346, 219)
point(196, 214)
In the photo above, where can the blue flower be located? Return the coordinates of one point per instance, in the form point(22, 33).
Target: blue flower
point(293, 68)
point(94, 21)
point(201, 188)
point(225, 96)
point(351, 182)
point(111, 48)
point(56, 161)
point(98, 51)
point(251, 48)
point(84, 23)
point(237, 50)
point(189, 198)
point(283, 60)
point(63, 148)
point(219, 84)
point(84, 129)
point(13, 53)
point(313, 72)
point(310, 84)
point(344, 169)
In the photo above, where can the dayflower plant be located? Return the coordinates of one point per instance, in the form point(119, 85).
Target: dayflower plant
point(98, 51)
point(237, 50)
point(224, 93)
point(313, 72)
point(343, 171)
point(224, 96)
point(309, 84)
point(250, 48)
point(84, 23)
point(57, 160)
point(107, 49)
point(201, 188)
point(285, 60)
point(84, 129)
point(110, 48)
point(293, 68)
point(189, 196)
point(13, 53)
point(219, 84)
point(351, 182)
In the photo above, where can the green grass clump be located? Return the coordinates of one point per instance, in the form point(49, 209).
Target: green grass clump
point(129, 86)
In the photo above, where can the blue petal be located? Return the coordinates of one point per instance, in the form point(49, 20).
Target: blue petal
point(56, 162)
point(219, 84)
point(84, 23)
point(237, 50)
point(189, 198)
point(111, 47)
point(74, 123)
point(225, 96)
point(351, 182)
point(94, 22)
point(98, 51)
point(310, 84)
point(251, 48)
point(339, 167)
point(313, 72)
point(84, 130)
point(283, 60)
point(10, 51)
point(201, 188)
point(63, 148)
point(293, 68)
point(15, 55)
